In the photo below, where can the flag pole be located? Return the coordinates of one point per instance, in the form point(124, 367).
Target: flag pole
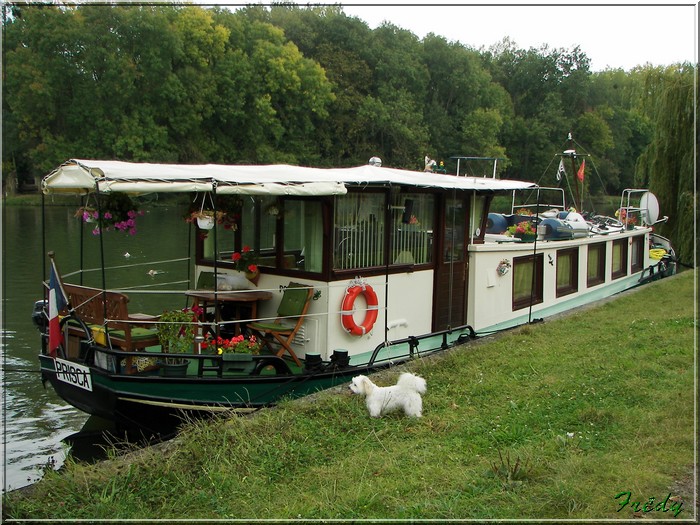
point(573, 170)
point(57, 301)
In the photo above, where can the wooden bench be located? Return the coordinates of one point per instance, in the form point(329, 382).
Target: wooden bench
point(107, 314)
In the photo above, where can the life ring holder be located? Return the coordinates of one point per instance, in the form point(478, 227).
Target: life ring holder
point(355, 288)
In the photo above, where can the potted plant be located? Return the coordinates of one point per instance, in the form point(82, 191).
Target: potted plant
point(236, 352)
point(116, 212)
point(206, 217)
point(626, 218)
point(238, 344)
point(176, 332)
point(245, 261)
point(524, 230)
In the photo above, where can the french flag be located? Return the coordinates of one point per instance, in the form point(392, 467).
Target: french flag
point(57, 302)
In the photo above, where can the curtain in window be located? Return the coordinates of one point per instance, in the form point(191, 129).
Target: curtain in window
point(522, 279)
point(564, 270)
point(358, 240)
point(412, 219)
point(617, 259)
point(594, 255)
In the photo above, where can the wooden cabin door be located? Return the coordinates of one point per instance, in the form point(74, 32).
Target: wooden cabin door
point(449, 300)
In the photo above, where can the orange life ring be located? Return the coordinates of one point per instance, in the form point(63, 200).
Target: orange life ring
point(347, 310)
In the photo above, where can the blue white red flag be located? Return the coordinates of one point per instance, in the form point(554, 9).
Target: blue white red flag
point(57, 302)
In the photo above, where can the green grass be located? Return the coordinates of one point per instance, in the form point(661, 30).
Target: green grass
point(547, 421)
point(34, 199)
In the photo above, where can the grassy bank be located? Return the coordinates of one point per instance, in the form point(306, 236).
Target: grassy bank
point(548, 421)
point(34, 199)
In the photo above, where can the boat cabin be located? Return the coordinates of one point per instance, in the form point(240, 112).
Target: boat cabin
point(339, 272)
point(390, 254)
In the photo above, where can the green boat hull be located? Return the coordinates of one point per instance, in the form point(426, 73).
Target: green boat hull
point(155, 403)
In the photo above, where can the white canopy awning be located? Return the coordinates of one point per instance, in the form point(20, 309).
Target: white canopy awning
point(85, 176)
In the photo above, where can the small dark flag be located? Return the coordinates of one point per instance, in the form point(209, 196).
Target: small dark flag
point(561, 172)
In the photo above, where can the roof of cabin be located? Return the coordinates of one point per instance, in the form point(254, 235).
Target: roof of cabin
point(85, 176)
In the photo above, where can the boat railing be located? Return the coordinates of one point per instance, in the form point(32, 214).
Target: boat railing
point(474, 161)
point(647, 208)
point(110, 360)
point(440, 340)
point(556, 195)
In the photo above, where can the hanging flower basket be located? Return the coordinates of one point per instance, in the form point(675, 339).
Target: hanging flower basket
point(206, 217)
point(116, 211)
point(205, 222)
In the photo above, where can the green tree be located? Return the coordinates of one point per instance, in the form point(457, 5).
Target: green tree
point(286, 95)
point(465, 108)
point(668, 163)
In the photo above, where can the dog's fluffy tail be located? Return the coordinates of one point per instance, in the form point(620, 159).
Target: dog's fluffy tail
point(412, 382)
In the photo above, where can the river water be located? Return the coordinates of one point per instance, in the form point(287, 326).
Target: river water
point(36, 420)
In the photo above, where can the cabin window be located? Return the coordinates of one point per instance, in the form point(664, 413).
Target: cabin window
point(412, 219)
point(285, 233)
point(225, 231)
point(358, 236)
point(477, 214)
point(619, 258)
point(303, 235)
point(527, 281)
point(596, 264)
point(259, 227)
point(567, 271)
point(455, 216)
point(637, 254)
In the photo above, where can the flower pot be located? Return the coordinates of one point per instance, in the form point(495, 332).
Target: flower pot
point(526, 237)
point(253, 277)
point(240, 363)
point(205, 223)
point(175, 370)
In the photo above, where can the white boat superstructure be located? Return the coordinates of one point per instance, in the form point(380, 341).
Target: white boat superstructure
point(421, 248)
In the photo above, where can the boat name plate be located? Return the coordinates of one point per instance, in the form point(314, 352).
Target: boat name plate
point(74, 374)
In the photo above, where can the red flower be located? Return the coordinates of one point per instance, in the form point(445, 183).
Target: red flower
point(244, 261)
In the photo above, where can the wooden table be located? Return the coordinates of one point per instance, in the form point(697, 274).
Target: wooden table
point(238, 298)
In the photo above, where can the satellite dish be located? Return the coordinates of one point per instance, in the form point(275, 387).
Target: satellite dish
point(649, 206)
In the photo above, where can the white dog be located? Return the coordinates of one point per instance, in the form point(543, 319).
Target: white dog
point(405, 394)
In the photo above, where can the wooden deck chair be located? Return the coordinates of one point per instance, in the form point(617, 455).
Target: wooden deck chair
point(290, 316)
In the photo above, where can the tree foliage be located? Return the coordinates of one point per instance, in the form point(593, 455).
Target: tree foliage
point(667, 164)
point(311, 85)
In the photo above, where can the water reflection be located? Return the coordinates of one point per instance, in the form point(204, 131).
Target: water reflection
point(36, 420)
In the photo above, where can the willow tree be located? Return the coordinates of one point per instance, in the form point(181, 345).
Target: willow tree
point(667, 165)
